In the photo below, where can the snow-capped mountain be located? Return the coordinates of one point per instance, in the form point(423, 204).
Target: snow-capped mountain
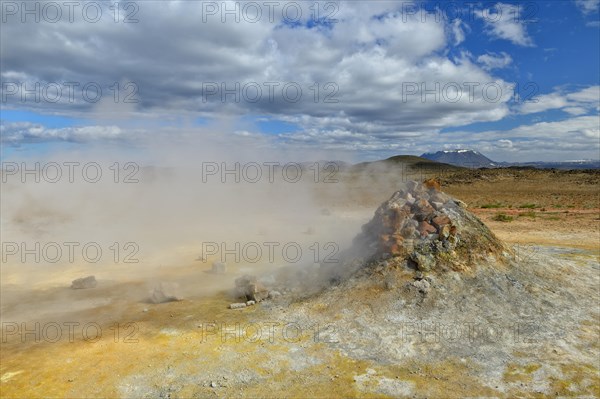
point(465, 158)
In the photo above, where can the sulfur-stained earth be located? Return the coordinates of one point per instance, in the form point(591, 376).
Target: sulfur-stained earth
point(530, 329)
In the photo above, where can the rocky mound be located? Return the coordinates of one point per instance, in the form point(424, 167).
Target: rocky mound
point(427, 288)
point(419, 228)
point(425, 228)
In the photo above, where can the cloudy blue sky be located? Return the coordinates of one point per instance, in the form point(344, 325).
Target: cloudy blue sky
point(517, 81)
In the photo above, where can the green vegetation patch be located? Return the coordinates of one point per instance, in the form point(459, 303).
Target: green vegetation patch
point(502, 217)
point(492, 206)
point(530, 214)
point(528, 206)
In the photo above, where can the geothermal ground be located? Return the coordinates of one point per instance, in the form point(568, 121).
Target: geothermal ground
point(526, 325)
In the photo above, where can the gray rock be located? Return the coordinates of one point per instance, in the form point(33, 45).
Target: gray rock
point(444, 231)
point(408, 231)
point(274, 294)
point(422, 285)
point(239, 305)
point(437, 205)
point(250, 289)
point(399, 203)
point(165, 292)
point(439, 197)
point(424, 262)
point(412, 185)
point(390, 282)
point(84, 282)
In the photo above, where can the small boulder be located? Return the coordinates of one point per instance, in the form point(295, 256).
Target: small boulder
point(426, 229)
point(249, 288)
point(408, 230)
point(165, 292)
point(274, 294)
point(258, 292)
point(440, 221)
point(412, 185)
point(444, 231)
point(399, 216)
point(239, 305)
point(422, 209)
point(424, 262)
point(84, 283)
point(422, 285)
point(439, 197)
point(437, 205)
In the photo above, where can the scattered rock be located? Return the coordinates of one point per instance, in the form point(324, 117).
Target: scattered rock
point(422, 210)
point(408, 230)
point(390, 283)
point(422, 285)
point(412, 185)
point(445, 231)
point(424, 262)
point(250, 303)
point(274, 294)
point(425, 229)
point(165, 292)
point(441, 220)
point(437, 205)
point(439, 197)
point(84, 282)
point(250, 289)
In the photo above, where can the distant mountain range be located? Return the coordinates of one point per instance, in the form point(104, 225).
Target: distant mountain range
point(473, 159)
point(464, 158)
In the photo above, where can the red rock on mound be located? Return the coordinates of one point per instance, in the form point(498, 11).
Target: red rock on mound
point(429, 229)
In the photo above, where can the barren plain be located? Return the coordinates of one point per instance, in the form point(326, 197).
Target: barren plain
point(537, 334)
